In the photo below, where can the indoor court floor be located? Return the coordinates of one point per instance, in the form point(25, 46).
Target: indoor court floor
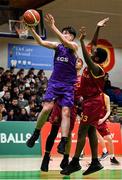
point(28, 168)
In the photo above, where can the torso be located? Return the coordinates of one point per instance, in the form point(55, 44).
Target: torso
point(91, 86)
point(64, 65)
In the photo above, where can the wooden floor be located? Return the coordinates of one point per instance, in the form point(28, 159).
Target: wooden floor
point(29, 168)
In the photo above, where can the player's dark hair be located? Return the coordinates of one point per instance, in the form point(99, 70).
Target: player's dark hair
point(101, 54)
point(70, 29)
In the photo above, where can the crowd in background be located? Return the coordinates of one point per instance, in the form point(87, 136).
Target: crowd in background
point(22, 94)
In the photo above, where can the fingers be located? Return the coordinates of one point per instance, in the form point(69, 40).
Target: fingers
point(48, 17)
point(103, 22)
point(83, 29)
point(82, 32)
point(106, 19)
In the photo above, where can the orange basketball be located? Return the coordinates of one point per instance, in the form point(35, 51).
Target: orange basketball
point(31, 17)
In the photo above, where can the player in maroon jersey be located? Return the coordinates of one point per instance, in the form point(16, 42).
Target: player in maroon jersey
point(92, 86)
point(103, 132)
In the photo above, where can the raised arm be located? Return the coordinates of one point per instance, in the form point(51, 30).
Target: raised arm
point(100, 24)
point(96, 70)
point(51, 23)
point(48, 44)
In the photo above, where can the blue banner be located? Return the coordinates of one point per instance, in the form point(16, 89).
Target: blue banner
point(28, 56)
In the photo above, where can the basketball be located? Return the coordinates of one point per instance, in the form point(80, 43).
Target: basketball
point(31, 17)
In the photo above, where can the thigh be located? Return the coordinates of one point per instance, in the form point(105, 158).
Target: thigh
point(67, 96)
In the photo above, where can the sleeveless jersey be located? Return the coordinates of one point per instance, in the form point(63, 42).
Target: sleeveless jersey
point(64, 65)
point(77, 88)
point(91, 86)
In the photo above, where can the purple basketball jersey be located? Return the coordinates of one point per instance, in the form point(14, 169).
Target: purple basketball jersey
point(61, 83)
point(64, 65)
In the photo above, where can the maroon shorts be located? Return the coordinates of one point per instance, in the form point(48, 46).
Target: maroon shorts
point(93, 110)
point(55, 117)
point(103, 129)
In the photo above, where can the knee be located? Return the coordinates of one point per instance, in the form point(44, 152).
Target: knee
point(47, 108)
point(108, 138)
point(66, 112)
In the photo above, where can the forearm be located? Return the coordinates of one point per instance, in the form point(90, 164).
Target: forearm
point(95, 37)
point(87, 57)
point(106, 116)
point(91, 65)
point(36, 36)
point(58, 34)
point(48, 44)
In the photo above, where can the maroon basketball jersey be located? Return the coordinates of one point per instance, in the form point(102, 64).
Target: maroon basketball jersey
point(90, 85)
point(77, 88)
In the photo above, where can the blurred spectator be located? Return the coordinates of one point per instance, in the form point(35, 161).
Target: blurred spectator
point(21, 101)
point(5, 88)
point(20, 77)
point(21, 71)
point(30, 78)
point(107, 81)
point(32, 87)
point(7, 76)
point(1, 78)
point(42, 80)
point(3, 113)
point(1, 70)
point(32, 70)
point(21, 87)
point(10, 116)
point(108, 84)
point(7, 99)
point(114, 115)
point(27, 93)
point(9, 85)
point(33, 115)
point(16, 108)
point(114, 110)
point(23, 115)
point(15, 92)
point(12, 71)
point(30, 106)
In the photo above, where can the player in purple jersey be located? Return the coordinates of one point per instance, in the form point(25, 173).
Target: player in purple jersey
point(61, 83)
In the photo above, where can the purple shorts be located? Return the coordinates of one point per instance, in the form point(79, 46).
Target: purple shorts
point(63, 93)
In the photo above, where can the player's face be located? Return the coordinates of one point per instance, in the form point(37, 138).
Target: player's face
point(79, 64)
point(94, 57)
point(68, 36)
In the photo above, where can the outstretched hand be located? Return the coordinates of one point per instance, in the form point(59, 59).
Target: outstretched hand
point(49, 19)
point(82, 33)
point(103, 22)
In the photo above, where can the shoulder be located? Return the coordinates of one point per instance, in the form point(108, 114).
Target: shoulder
point(101, 72)
point(75, 45)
